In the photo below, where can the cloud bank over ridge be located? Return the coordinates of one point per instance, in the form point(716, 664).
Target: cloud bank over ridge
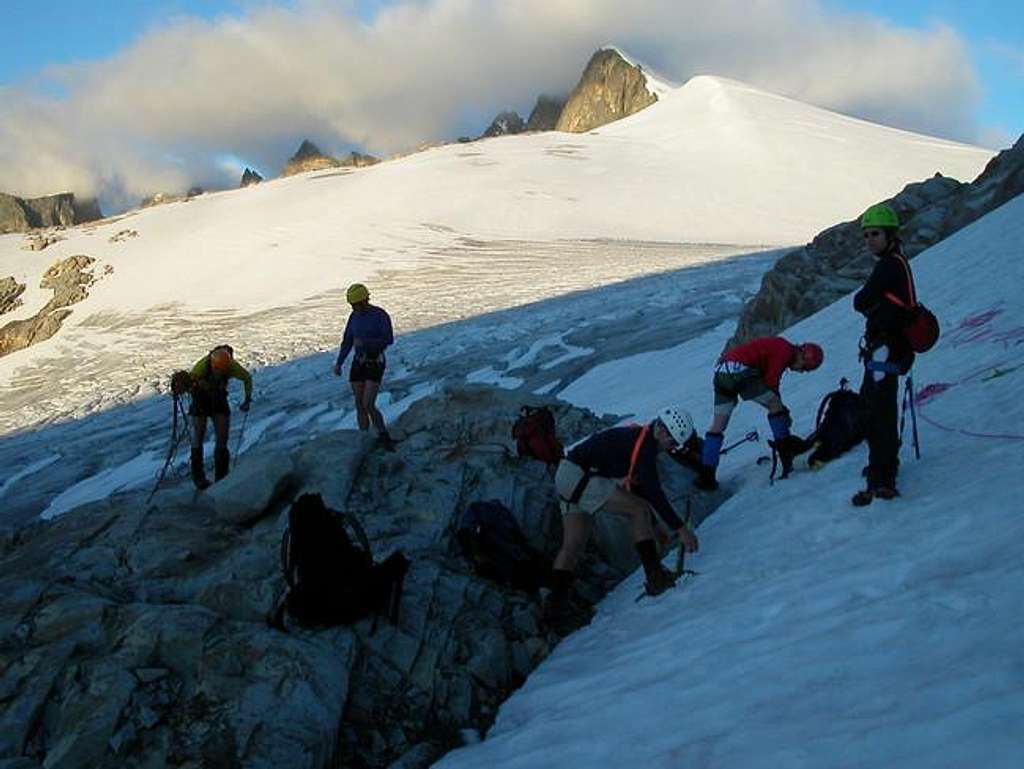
point(163, 113)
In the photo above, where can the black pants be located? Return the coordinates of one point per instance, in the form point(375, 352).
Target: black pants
point(881, 428)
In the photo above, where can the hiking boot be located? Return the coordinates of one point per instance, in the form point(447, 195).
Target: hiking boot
point(659, 581)
point(563, 615)
point(198, 472)
point(867, 496)
point(221, 463)
point(705, 480)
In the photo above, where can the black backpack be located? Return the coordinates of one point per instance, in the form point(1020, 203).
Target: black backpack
point(839, 425)
point(496, 547)
point(331, 576)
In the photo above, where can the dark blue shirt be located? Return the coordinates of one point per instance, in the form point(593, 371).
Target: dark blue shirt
point(372, 327)
point(608, 453)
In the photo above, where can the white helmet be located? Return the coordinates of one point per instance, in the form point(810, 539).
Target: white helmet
point(678, 422)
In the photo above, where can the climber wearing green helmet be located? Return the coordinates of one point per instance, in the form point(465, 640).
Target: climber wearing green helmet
point(883, 300)
point(368, 332)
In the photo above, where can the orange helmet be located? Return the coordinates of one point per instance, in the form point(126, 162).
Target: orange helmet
point(220, 360)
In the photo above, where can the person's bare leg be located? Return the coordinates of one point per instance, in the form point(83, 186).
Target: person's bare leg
point(370, 390)
point(576, 528)
point(362, 418)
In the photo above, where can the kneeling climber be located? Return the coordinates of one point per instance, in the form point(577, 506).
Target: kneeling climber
point(616, 471)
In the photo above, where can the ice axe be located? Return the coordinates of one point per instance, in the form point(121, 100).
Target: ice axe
point(751, 437)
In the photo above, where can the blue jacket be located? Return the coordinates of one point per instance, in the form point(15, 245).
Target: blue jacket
point(372, 329)
point(608, 454)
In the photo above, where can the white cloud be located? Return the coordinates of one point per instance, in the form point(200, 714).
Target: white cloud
point(159, 114)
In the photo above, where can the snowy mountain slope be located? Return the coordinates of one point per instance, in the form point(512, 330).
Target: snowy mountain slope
point(820, 635)
point(712, 162)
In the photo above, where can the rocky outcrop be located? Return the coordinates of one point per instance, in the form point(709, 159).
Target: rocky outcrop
point(836, 262)
point(69, 280)
point(611, 88)
point(358, 160)
point(159, 198)
point(249, 178)
point(133, 635)
point(10, 294)
point(307, 157)
point(505, 124)
point(41, 241)
point(61, 210)
point(545, 113)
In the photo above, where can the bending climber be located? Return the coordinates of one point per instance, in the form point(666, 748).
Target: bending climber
point(753, 372)
point(616, 471)
point(885, 351)
point(210, 378)
point(368, 332)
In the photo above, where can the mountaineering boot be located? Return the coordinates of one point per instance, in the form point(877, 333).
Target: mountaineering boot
point(659, 579)
point(198, 472)
point(709, 455)
point(221, 463)
point(867, 496)
point(560, 613)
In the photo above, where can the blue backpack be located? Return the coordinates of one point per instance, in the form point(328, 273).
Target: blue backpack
point(495, 546)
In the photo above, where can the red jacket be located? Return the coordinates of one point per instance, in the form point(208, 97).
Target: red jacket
point(768, 354)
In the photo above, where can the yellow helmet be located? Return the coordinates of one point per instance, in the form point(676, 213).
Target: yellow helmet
point(356, 293)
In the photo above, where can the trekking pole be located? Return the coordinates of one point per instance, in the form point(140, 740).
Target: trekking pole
point(238, 443)
point(908, 400)
point(749, 437)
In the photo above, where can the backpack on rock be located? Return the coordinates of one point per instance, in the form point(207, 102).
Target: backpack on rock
point(493, 543)
point(332, 578)
point(534, 434)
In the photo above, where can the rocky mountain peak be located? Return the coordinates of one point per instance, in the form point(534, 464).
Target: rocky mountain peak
point(505, 123)
point(610, 89)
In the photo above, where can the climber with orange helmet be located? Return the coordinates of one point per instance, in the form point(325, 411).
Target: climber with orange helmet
point(209, 390)
point(753, 372)
point(368, 333)
point(616, 471)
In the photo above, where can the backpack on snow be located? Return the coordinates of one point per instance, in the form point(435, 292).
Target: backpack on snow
point(331, 576)
point(534, 434)
point(493, 543)
point(839, 425)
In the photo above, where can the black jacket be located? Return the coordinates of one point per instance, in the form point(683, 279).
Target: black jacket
point(608, 454)
point(886, 319)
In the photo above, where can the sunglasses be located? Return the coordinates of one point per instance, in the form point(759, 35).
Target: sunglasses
point(873, 233)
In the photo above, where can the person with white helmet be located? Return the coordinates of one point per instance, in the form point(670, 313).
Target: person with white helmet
point(368, 333)
point(616, 471)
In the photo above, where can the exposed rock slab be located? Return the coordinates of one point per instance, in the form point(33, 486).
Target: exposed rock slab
point(60, 210)
point(545, 113)
point(10, 294)
point(134, 635)
point(69, 279)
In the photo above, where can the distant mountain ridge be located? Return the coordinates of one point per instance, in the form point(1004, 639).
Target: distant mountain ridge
point(60, 210)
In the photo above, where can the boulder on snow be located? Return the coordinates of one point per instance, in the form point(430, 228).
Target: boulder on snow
point(10, 294)
point(133, 634)
point(836, 262)
point(610, 89)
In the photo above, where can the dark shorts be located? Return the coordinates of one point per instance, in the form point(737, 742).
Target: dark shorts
point(367, 370)
point(746, 384)
point(206, 404)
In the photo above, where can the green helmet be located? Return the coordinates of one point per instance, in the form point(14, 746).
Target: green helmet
point(879, 215)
